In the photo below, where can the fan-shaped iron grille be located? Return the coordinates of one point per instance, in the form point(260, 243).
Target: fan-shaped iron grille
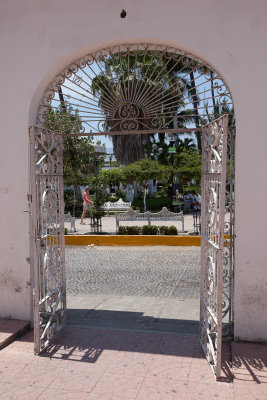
point(135, 88)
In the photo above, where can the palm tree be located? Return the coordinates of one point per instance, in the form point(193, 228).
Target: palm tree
point(148, 95)
point(184, 145)
point(220, 109)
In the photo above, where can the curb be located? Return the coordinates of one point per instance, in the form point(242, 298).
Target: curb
point(14, 334)
point(132, 240)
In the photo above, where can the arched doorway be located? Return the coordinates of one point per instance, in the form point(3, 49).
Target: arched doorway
point(131, 92)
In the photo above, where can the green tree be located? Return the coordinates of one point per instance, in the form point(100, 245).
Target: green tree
point(114, 175)
point(187, 163)
point(145, 169)
point(185, 144)
point(78, 152)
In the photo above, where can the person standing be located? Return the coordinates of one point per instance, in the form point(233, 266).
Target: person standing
point(195, 202)
point(87, 203)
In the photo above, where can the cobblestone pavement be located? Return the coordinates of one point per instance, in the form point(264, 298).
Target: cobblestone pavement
point(159, 271)
point(152, 288)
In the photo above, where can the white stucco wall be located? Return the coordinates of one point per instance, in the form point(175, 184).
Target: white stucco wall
point(39, 37)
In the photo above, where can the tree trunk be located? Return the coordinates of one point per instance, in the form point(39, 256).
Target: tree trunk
point(196, 115)
point(212, 90)
point(78, 193)
point(61, 98)
point(148, 146)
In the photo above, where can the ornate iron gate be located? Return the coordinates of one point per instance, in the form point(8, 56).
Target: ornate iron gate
point(49, 296)
point(214, 165)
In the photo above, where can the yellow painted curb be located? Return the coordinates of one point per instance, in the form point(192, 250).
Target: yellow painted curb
point(133, 240)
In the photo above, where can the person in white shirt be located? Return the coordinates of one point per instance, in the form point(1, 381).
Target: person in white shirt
point(195, 201)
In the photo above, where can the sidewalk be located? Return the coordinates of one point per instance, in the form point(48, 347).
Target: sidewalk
point(109, 224)
point(99, 364)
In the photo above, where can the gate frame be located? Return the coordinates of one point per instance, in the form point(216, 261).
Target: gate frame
point(34, 239)
point(213, 180)
point(51, 239)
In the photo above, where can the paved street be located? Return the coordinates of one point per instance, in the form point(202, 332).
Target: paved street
point(153, 288)
point(157, 271)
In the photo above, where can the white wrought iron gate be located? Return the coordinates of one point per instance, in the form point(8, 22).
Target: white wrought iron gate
point(214, 166)
point(47, 209)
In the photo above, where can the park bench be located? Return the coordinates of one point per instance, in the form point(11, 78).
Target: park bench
point(119, 205)
point(163, 215)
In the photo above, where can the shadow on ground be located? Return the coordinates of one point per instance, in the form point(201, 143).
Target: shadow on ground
point(86, 345)
point(129, 320)
point(79, 357)
point(90, 345)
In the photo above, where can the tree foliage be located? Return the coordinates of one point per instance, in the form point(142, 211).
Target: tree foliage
point(114, 175)
point(187, 164)
point(78, 152)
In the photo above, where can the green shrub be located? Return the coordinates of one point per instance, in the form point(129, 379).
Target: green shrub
point(122, 230)
point(121, 195)
point(163, 230)
point(155, 204)
point(172, 230)
point(150, 230)
point(113, 199)
point(128, 230)
point(168, 230)
point(132, 230)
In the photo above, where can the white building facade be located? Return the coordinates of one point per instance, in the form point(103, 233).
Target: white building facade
point(39, 38)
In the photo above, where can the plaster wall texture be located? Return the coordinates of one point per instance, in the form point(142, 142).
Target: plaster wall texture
point(40, 37)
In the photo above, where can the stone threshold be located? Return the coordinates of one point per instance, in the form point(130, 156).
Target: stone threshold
point(11, 329)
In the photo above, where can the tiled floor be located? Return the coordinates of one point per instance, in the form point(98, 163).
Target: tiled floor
point(94, 364)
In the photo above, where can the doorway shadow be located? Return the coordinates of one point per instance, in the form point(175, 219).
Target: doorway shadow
point(129, 320)
point(84, 344)
point(102, 345)
point(98, 345)
point(91, 334)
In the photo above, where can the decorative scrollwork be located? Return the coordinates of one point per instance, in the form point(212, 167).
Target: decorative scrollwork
point(210, 275)
point(128, 125)
point(49, 306)
point(134, 74)
point(212, 206)
point(128, 110)
point(215, 277)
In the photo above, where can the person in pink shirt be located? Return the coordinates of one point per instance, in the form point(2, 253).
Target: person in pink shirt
point(87, 203)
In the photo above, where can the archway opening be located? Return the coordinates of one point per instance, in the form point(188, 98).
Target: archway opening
point(136, 94)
